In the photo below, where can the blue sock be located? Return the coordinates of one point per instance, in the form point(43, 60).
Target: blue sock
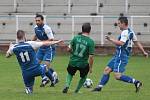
point(49, 75)
point(128, 79)
point(104, 80)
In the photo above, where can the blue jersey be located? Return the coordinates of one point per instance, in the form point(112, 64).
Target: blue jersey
point(44, 32)
point(25, 54)
point(120, 59)
point(127, 36)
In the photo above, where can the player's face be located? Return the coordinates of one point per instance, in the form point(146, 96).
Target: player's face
point(120, 25)
point(38, 21)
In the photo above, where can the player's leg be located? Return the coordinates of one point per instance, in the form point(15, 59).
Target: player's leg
point(119, 69)
point(83, 76)
point(71, 71)
point(48, 57)
point(29, 82)
point(41, 71)
point(40, 55)
point(106, 74)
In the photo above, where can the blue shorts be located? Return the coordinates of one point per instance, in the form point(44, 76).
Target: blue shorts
point(29, 75)
point(45, 54)
point(117, 64)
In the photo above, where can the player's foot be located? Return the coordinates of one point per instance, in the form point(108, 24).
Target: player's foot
point(97, 89)
point(65, 90)
point(44, 82)
point(77, 92)
point(138, 86)
point(28, 90)
point(54, 83)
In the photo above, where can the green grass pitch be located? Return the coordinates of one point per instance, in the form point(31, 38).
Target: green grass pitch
point(12, 87)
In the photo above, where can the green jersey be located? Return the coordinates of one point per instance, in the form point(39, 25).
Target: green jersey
point(82, 46)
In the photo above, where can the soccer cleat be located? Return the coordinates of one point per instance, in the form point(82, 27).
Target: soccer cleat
point(97, 89)
point(65, 90)
point(44, 82)
point(28, 90)
point(54, 83)
point(76, 91)
point(138, 86)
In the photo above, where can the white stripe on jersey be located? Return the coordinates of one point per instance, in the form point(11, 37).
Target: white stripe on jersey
point(21, 46)
point(119, 66)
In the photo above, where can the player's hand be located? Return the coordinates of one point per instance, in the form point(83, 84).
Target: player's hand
point(146, 54)
point(60, 42)
point(69, 49)
point(107, 37)
point(11, 44)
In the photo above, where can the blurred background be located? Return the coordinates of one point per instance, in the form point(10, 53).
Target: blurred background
point(66, 17)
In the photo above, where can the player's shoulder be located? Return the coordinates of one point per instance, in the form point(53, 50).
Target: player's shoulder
point(46, 26)
point(125, 31)
point(35, 26)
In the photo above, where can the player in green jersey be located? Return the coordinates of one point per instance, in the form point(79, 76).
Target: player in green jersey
point(81, 49)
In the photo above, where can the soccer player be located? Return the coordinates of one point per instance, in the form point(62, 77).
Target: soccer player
point(82, 49)
point(45, 53)
point(119, 61)
point(26, 56)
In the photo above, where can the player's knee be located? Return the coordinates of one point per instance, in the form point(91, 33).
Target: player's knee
point(117, 76)
point(47, 64)
point(107, 70)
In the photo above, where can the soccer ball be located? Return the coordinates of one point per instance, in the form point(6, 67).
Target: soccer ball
point(88, 83)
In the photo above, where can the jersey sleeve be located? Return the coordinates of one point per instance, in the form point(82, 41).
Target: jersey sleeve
point(35, 44)
point(91, 48)
point(10, 50)
point(124, 36)
point(49, 32)
point(134, 37)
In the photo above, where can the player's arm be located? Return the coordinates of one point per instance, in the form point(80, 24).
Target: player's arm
point(47, 43)
point(91, 60)
point(91, 55)
point(10, 51)
point(34, 38)
point(116, 42)
point(139, 45)
point(36, 44)
point(123, 39)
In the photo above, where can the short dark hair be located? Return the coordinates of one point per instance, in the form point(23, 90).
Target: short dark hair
point(123, 19)
point(41, 16)
point(20, 34)
point(86, 27)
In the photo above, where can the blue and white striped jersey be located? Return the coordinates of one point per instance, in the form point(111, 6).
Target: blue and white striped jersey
point(44, 32)
point(127, 36)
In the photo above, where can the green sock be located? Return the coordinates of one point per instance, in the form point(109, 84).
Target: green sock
point(68, 80)
point(80, 84)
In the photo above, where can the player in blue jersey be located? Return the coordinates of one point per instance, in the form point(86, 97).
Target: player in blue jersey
point(120, 59)
point(26, 56)
point(45, 53)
